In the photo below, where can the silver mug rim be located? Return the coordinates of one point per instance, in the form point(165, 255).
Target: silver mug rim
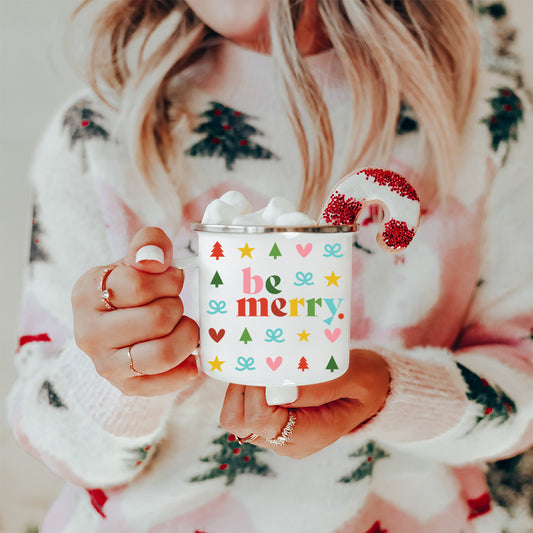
point(222, 228)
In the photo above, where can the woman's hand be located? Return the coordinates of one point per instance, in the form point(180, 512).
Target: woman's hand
point(147, 328)
point(324, 412)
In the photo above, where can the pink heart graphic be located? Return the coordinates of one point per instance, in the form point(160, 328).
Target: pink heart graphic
point(274, 364)
point(304, 250)
point(333, 335)
point(216, 335)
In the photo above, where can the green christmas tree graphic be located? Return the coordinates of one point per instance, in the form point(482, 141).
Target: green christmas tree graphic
point(332, 364)
point(371, 454)
point(246, 337)
point(233, 459)
point(227, 134)
point(217, 280)
point(275, 253)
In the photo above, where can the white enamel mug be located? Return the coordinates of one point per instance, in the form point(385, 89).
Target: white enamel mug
point(274, 305)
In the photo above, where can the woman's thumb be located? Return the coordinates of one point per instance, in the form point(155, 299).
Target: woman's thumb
point(150, 251)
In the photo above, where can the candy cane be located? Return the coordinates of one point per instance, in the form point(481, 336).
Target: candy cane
point(373, 185)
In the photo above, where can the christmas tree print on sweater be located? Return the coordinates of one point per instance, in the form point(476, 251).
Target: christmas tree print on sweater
point(233, 459)
point(370, 453)
point(495, 405)
point(82, 122)
point(48, 392)
point(227, 134)
point(37, 252)
point(504, 119)
point(510, 483)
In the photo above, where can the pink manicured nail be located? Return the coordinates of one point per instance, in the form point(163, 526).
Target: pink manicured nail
point(150, 252)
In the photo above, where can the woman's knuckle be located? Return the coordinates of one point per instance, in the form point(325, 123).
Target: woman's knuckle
point(84, 341)
point(167, 357)
point(138, 286)
point(104, 368)
point(228, 421)
point(176, 277)
point(161, 317)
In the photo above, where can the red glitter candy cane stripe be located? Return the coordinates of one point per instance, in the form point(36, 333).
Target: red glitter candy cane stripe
point(394, 181)
point(341, 210)
point(397, 234)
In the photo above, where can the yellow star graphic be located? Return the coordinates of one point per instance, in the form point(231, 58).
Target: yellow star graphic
point(304, 336)
point(216, 364)
point(246, 251)
point(332, 279)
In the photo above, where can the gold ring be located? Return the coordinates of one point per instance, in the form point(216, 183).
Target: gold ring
point(105, 293)
point(251, 437)
point(132, 368)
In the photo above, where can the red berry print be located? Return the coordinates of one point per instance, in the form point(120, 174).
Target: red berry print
point(98, 500)
point(479, 506)
point(41, 337)
point(376, 528)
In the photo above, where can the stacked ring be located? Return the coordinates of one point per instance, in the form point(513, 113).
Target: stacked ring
point(286, 432)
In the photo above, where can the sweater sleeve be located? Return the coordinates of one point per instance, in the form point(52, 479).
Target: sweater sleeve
point(60, 409)
point(474, 401)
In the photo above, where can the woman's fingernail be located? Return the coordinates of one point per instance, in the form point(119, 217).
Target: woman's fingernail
point(150, 252)
point(281, 395)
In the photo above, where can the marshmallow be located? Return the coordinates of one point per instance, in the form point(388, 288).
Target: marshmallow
point(250, 219)
point(276, 207)
point(234, 209)
point(237, 200)
point(219, 212)
point(294, 218)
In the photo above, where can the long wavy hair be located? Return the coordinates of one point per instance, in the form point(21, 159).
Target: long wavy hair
point(393, 52)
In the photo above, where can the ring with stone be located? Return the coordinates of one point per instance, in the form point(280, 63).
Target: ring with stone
point(132, 367)
point(105, 293)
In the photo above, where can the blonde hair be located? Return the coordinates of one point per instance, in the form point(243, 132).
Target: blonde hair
point(423, 54)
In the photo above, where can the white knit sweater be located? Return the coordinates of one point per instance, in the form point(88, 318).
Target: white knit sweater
point(453, 316)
